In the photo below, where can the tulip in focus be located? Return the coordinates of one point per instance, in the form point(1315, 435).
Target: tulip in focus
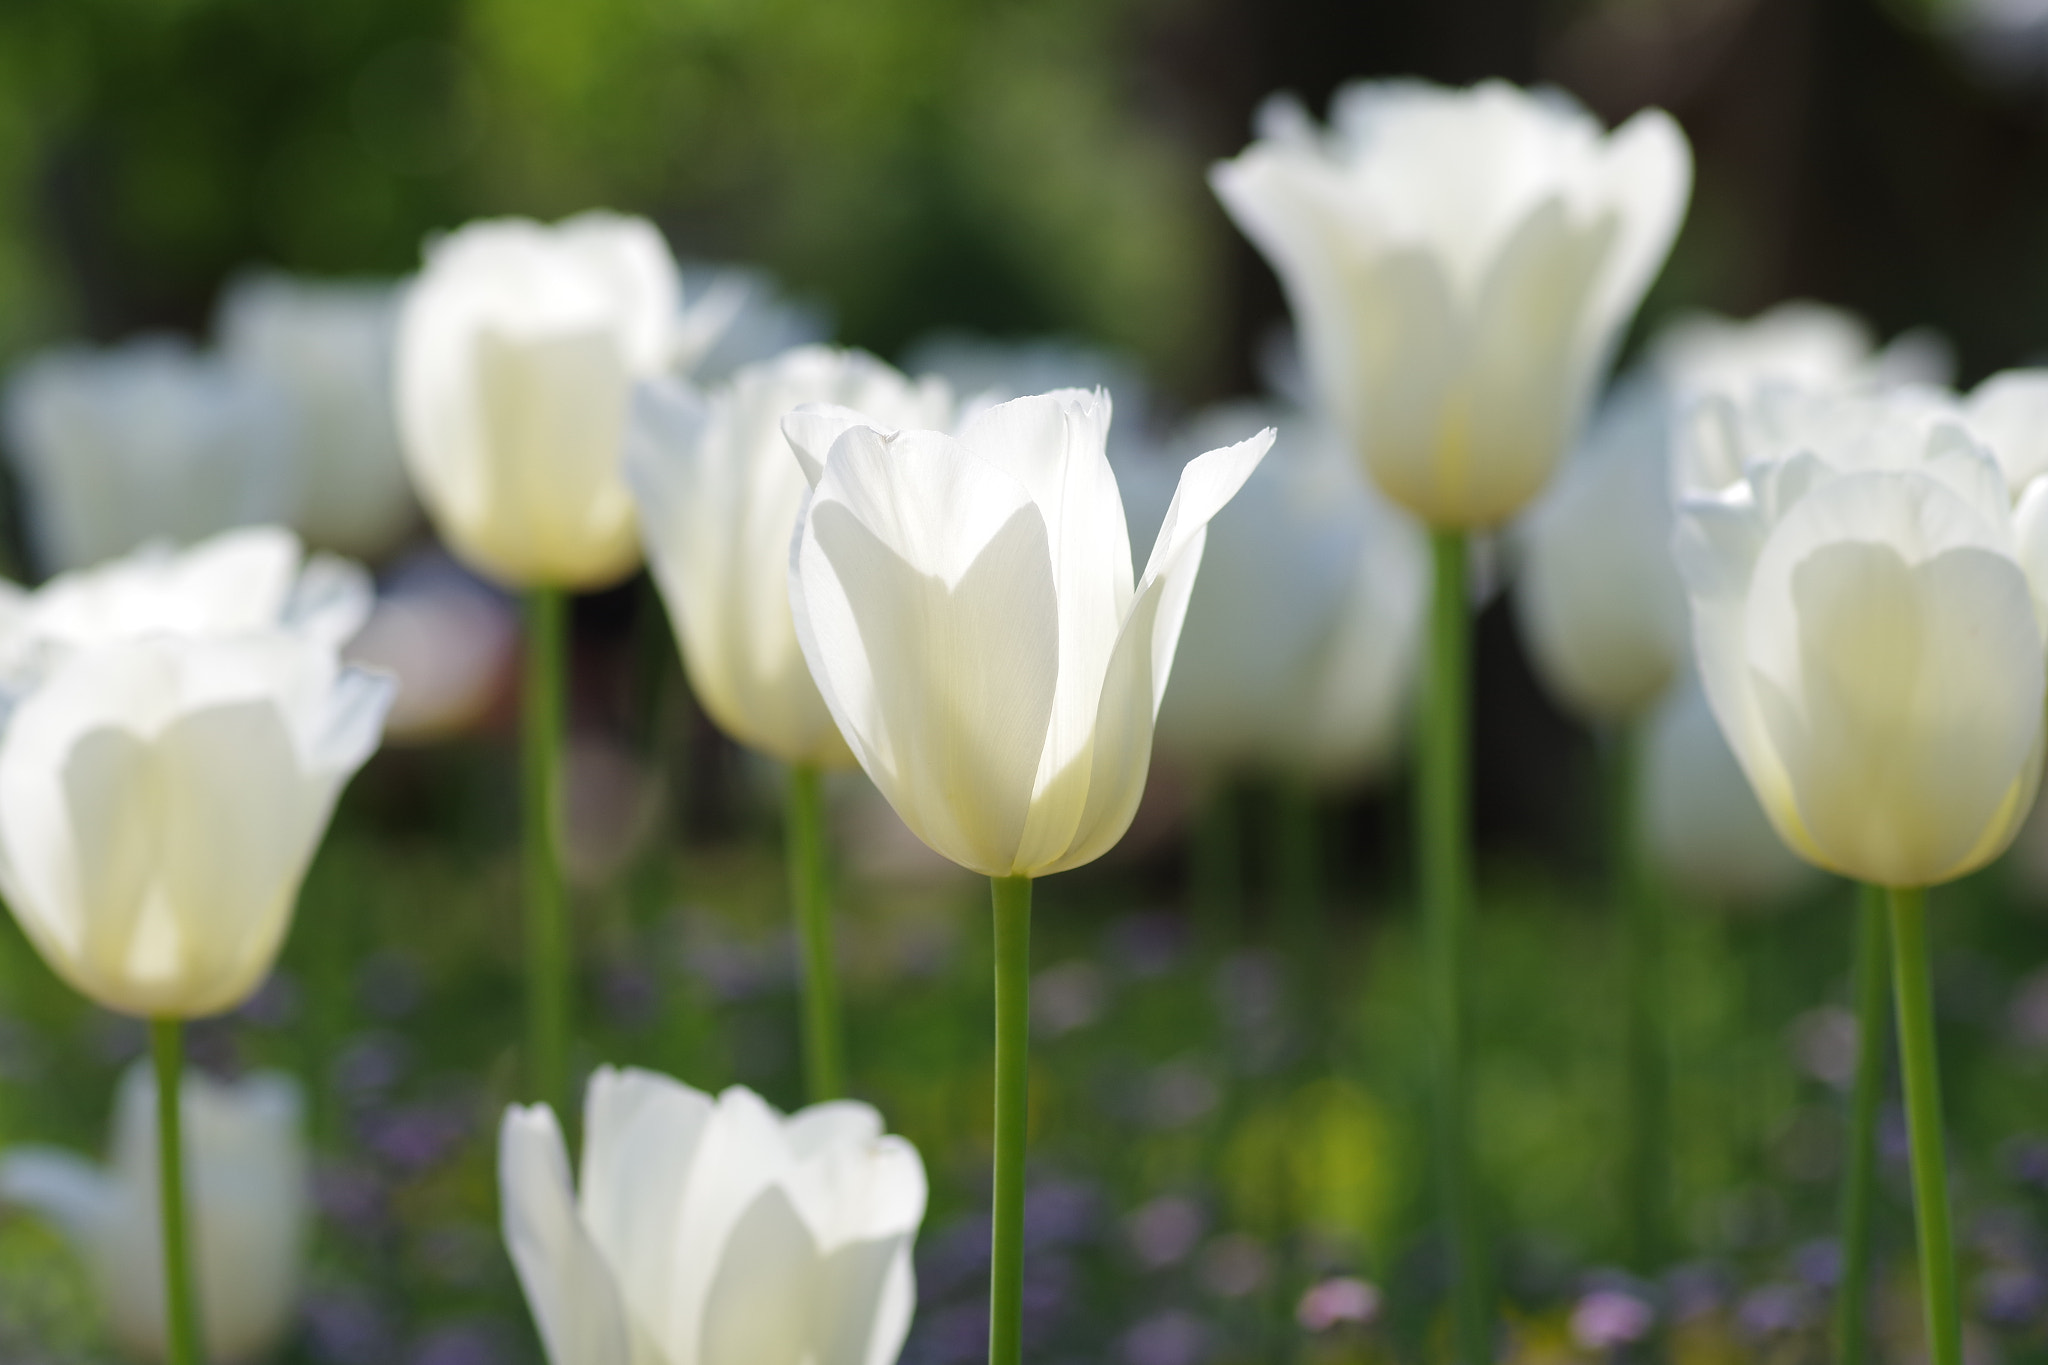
point(149, 440)
point(160, 799)
point(1866, 606)
point(328, 345)
point(719, 494)
point(518, 349)
point(246, 1186)
point(1459, 264)
point(967, 608)
point(711, 1232)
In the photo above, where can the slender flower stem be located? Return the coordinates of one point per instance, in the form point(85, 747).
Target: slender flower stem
point(1443, 823)
point(824, 1029)
point(1012, 897)
point(167, 1047)
point(1648, 1167)
point(547, 930)
point(1914, 984)
point(1859, 1177)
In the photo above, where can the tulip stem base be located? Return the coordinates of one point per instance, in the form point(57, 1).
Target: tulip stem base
point(1648, 1170)
point(167, 1050)
point(542, 708)
point(824, 1035)
point(1859, 1175)
point(1913, 982)
point(1012, 896)
point(1443, 822)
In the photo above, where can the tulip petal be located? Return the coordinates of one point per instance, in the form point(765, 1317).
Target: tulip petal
point(1121, 753)
point(924, 597)
point(812, 429)
point(2010, 411)
point(641, 1133)
point(1646, 183)
point(766, 1299)
point(65, 1188)
point(741, 1153)
point(860, 1304)
point(572, 1295)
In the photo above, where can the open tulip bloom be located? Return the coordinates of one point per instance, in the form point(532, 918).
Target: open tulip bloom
point(968, 611)
point(1459, 264)
point(711, 1232)
point(246, 1168)
point(1868, 607)
point(719, 494)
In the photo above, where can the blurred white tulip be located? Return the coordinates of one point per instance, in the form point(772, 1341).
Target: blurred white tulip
point(1867, 611)
point(734, 315)
point(967, 608)
point(144, 441)
point(450, 643)
point(719, 492)
point(160, 798)
point(1459, 264)
point(246, 1201)
point(1700, 819)
point(1598, 597)
point(250, 579)
point(707, 1232)
point(518, 349)
point(1304, 628)
point(328, 344)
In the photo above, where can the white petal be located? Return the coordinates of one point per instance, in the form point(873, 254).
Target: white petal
point(571, 1292)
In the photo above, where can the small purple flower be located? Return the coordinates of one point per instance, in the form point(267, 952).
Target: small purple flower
point(462, 1343)
point(1774, 1309)
point(1609, 1318)
point(353, 1198)
point(1149, 944)
point(370, 1064)
point(275, 1004)
point(416, 1136)
point(344, 1327)
point(2011, 1296)
point(1818, 1262)
point(1332, 1302)
point(1169, 1338)
point(1179, 1093)
point(1059, 1213)
point(1165, 1231)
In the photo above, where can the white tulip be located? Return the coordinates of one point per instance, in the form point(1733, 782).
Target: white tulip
point(967, 608)
point(1304, 629)
point(1700, 820)
point(1459, 264)
point(707, 1232)
point(328, 344)
point(160, 799)
point(735, 315)
point(1598, 598)
point(518, 349)
point(249, 579)
point(719, 494)
point(1867, 612)
point(144, 441)
point(246, 1204)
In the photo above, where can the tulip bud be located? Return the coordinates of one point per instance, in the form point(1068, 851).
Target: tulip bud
point(711, 1232)
point(1866, 613)
point(144, 441)
point(719, 493)
point(160, 799)
point(967, 610)
point(1459, 264)
point(518, 349)
point(328, 345)
point(246, 1200)
point(1304, 629)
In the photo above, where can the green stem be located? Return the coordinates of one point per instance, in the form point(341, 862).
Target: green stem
point(1216, 866)
point(1443, 821)
point(1914, 983)
point(547, 930)
point(1859, 1178)
point(167, 1047)
point(1648, 1169)
point(824, 1047)
point(1012, 896)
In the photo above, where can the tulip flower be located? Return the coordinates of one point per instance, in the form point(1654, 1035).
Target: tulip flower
point(328, 345)
point(449, 642)
point(245, 1168)
point(1867, 608)
point(150, 440)
point(738, 316)
point(518, 349)
point(1459, 264)
point(967, 609)
point(251, 579)
point(711, 1232)
point(719, 494)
